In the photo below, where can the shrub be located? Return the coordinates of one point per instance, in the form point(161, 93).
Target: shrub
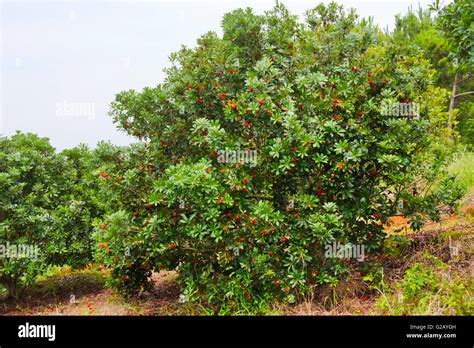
point(307, 97)
point(41, 211)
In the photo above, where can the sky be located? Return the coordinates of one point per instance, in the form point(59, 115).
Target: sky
point(62, 62)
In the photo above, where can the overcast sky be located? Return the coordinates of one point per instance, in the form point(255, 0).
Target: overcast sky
point(62, 62)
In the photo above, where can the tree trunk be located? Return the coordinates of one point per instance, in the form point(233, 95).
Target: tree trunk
point(451, 101)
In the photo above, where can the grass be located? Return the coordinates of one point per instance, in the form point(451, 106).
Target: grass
point(463, 168)
point(429, 287)
point(58, 280)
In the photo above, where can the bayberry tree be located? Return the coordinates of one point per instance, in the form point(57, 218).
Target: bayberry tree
point(343, 124)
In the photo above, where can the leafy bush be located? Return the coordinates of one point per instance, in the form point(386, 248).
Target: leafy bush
point(308, 98)
point(41, 211)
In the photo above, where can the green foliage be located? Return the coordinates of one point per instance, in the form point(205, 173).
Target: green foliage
point(429, 288)
point(463, 168)
point(446, 41)
point(330, 167)
point(456, 23)
point(41, 207)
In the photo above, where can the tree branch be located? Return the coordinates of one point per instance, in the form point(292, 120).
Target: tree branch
point(464, 93)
